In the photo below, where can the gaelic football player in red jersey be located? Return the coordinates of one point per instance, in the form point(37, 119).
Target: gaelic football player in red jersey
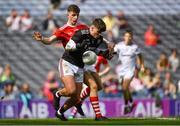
point(64, 33)
point(72, 85)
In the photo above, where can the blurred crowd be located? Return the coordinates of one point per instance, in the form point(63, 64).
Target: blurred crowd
point(158, 83)
point(23, 23)
point(10, 90)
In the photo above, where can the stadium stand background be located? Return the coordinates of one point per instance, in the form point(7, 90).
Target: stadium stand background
point(31, 61)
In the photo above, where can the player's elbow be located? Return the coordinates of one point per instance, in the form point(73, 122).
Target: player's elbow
point(108, 68)
point(94, 87)
point(49, 41)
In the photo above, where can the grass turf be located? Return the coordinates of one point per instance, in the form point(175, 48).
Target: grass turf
point(114, 121)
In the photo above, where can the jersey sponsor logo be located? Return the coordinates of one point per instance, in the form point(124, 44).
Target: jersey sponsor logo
point(85, 31)
point(70, 33)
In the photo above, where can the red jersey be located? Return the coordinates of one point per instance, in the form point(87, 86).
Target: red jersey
point(65, 33)
point(151, 39)
point(100, 60)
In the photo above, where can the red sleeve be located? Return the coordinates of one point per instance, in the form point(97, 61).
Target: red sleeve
point(57, 33)
point(83, 26)
point(103, 60)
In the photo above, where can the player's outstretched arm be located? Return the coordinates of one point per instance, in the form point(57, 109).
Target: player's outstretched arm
point(141, 62)
point(45, 40)
point(105, 70)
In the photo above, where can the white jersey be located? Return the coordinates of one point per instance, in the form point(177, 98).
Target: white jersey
point(127, 56)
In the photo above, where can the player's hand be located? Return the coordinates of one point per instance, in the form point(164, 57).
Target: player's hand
point(111, 46)
point(37, 36)
point(71, 45)
point(111, 50)
point(142, 69)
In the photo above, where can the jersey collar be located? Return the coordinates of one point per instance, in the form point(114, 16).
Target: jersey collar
point(71, 25)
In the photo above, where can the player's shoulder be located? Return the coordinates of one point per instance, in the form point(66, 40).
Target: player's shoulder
point(100, 58)
point(82, 26)
point(82, 32)
point(134, 45)
point(120, 44)
point(63, 27)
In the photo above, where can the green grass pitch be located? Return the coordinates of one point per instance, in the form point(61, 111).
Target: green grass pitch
point(76, 122)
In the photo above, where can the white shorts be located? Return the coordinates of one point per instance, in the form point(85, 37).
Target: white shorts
point(66, 68)
point(89, 68)
point(126, 74)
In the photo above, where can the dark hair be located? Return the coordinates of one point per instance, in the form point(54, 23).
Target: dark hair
point(129, 31)
point(174, 49)
point(73, 8)
point(99, 23)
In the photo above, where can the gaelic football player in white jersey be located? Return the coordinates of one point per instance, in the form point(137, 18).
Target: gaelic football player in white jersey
point(128, 52)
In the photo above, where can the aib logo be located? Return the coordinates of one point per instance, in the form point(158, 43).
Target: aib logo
point(9, 109)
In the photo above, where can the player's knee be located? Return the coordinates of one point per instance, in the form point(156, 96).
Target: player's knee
point(94, 87)
point(125, 87)
point(71, 91)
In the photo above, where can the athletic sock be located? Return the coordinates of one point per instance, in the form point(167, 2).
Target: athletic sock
point(59, 111)
point(130, 103)
point(63, 108)
point(74, 111)
point(126, 105)
point(95, 104)
point(130, 97)
point(126, 98)
point(85, 93)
